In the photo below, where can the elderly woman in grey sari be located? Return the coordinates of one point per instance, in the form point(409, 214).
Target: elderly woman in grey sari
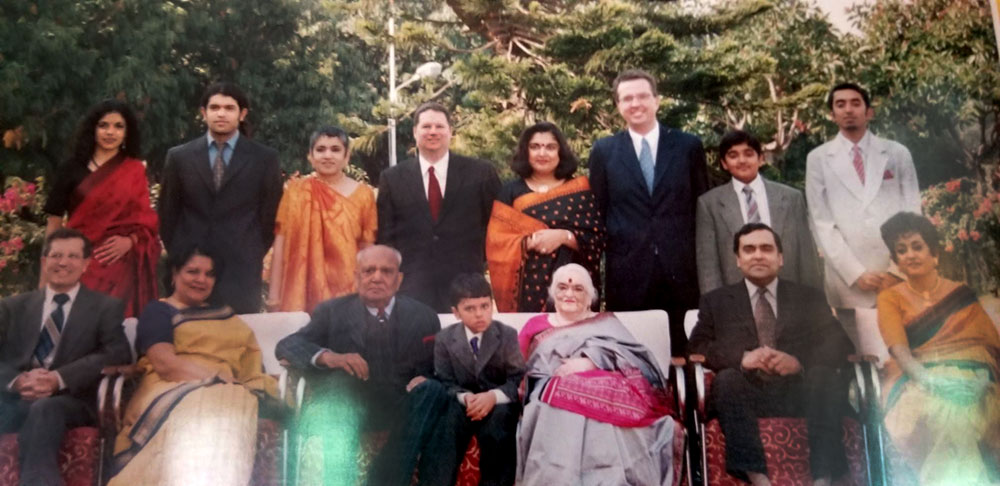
point(595, 409)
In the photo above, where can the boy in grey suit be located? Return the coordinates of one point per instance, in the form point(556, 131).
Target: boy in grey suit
point(479, 362)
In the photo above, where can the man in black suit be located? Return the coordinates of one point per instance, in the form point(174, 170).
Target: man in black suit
point(480, 363)
point(54, 342)
point(223, 190)
point(368, 356)
point(646, 180)
point(769, 363)
point(435, 209)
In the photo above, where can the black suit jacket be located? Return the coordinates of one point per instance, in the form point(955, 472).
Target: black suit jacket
point(92, 338)
point(338, 325)
point(644, 231)
point(237, 220)
point(806, 327)
point(500, 364)
point(434, 253)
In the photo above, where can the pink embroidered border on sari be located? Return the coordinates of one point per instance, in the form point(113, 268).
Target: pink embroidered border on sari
point(623, 398)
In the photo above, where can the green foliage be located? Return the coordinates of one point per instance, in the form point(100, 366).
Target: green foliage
point(967, 216)
point(21, 235)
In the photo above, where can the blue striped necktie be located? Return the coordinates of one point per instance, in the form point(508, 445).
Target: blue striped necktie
point(48, 339)
point(647, 164)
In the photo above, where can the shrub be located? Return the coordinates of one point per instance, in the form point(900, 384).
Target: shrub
point(968, 217)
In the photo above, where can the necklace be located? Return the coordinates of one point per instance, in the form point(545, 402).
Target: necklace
point(540, 187)
point(925, 295)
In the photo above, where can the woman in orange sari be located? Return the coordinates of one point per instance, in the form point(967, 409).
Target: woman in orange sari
point(324, 219)
point(540, 222)
point(941, 392)
point(103, 189)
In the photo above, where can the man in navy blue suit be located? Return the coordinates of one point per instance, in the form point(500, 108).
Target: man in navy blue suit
point(647, 180)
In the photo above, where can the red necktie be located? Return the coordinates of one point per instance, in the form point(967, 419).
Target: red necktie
point(859, 163)
point(433, 194)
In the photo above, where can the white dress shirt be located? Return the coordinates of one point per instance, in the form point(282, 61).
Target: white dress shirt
point(759, 194)
point(502, 397)
point(772, 294)
point(652, 138)
point(440, 171)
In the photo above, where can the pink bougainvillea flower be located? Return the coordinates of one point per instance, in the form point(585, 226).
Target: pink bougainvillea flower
point(953, 185)
point(975, 235)
point(963, 235)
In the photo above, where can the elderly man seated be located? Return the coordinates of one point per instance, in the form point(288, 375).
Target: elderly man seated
point(368, 356)
point(775, 347)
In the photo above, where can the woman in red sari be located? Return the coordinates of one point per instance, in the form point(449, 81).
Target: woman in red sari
point(103, 190)
point(544, 219)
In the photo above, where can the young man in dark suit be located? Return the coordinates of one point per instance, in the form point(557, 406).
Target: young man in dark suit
point(646, 180)
point(54, 342)
point(776, 349)
point(750, 198)
point(480, 363)
point(223, 190)
point(368, 357)
point(434, 209)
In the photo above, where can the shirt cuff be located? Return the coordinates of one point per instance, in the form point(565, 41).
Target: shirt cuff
point(316, 357)
point(461, 397)
point(62, 384)
point(502, 398)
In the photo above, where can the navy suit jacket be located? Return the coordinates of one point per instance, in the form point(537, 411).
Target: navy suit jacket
point(805, 329)
point(435, 252)
point(338, 325)
point(500, 363)
point(237, 220)
point(92, 338)
point(644, 231)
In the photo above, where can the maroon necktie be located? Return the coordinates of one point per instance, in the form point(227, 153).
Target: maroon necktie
point(859, 163)
point(433, 194)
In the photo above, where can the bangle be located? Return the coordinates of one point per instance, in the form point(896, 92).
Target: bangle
point(569, 235)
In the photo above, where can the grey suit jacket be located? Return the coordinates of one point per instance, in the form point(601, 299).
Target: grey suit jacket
point(237, 220)
point(718, 218)
point(92, 338)
point(500, 364)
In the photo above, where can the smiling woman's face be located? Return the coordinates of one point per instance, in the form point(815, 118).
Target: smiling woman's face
point(193, 282)
point(571, 297)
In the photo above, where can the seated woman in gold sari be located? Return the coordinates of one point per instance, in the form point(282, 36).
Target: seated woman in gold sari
point(942, 401)
point(542, 220)
point(323, 220)
point(103, 190)
point(193, 419)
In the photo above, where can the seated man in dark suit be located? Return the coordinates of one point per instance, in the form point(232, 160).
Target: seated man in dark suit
point(479, 362)
point(53, 343)
point(776, 349)
point(368, 356)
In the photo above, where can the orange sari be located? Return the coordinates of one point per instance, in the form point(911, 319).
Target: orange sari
point(323, 231)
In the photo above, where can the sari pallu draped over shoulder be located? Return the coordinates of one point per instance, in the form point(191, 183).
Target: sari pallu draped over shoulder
point(323, 232)
point(162, 414)
point(114, 201)
point(520, 278)
point(626, 390)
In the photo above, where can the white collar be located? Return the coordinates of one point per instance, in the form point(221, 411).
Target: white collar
point(651, 136)
point(388, 308)
point(772, 288)
point(847, 145)
point(440, 167)
point(49, 293)
point(757, 184)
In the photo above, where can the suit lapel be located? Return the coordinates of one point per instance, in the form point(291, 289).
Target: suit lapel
point(845, 171)
point(729, 207)
point(741, 305)
point(663, 149)
point(630, 161)
point(241, 157)
point(80, 316)
point(413, 180)
point(31, 327)
point(785, 306)
point(461, 349)
point(874, 168)
point(358, 318)
point(199, 157)
point(453, 181)
point(777, 203)
point(490, 344)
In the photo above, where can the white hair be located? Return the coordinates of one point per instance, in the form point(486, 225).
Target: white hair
point(581, 273)
point(365, 251)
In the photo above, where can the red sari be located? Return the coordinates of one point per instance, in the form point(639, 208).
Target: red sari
point(114, 201)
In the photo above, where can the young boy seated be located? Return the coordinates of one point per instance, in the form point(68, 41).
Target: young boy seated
point(478, 360)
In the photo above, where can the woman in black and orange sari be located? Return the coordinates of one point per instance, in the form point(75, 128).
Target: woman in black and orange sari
point(941, 392)
point(104, 191)
point(540, 222)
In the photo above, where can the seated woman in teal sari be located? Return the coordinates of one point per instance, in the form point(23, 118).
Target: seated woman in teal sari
point(942, 401)
point(595, 409)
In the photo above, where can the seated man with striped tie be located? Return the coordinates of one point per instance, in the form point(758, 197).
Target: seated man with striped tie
point(750, 198)
point(50, 383)
point(367, 357)
point(775, 348)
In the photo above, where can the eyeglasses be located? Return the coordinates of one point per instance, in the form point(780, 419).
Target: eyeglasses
point(641, 97)
point(60, 256)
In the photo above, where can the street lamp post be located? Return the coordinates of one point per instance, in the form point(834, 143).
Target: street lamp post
point(426, 70)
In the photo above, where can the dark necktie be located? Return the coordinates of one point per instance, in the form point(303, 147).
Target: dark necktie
point(48, 339)
point(763, 316)
point(219, 166)
point(474, 342)
point(434, 196)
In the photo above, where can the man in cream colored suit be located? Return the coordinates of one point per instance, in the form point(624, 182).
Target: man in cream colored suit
point(853, 184)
